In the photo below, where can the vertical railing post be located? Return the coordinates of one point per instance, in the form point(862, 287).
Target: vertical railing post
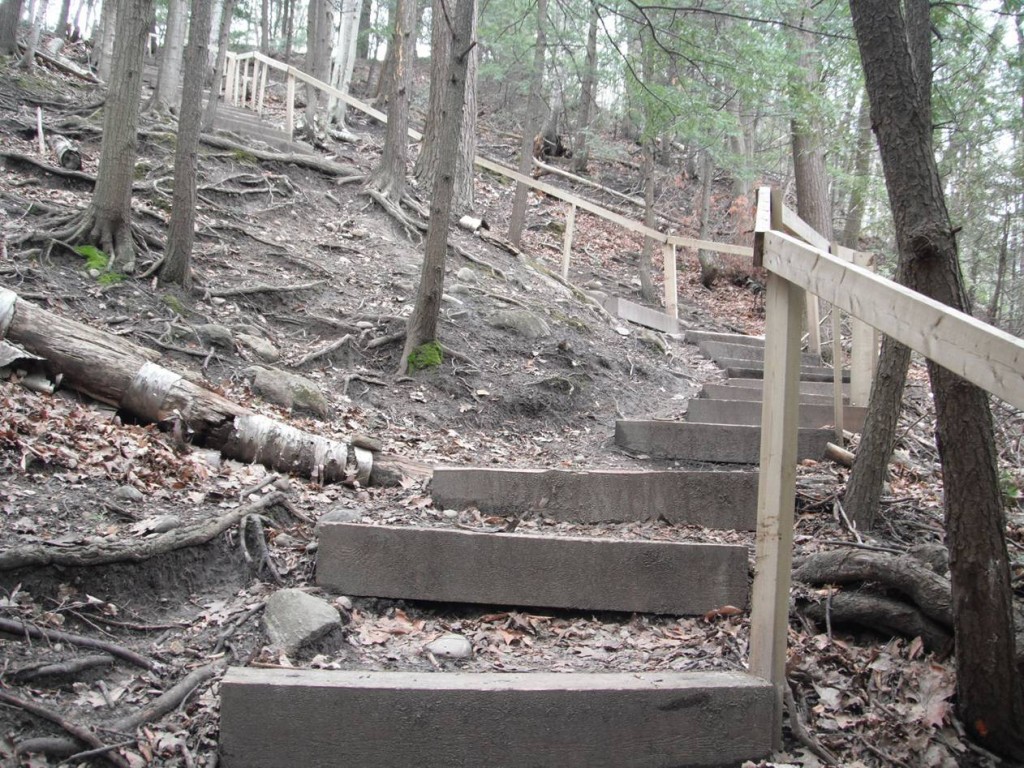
point(570, 225)
point(229, 80)
point(289, 109)
point(263, 89)
point(769, 619)
point(254, 84)
point(671, 284)
point(863, 354)
point(837, 362)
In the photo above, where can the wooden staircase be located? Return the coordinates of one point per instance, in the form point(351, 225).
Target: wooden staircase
point(374, 718)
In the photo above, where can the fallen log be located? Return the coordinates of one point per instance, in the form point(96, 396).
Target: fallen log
point(122, 374)
point(66, 153)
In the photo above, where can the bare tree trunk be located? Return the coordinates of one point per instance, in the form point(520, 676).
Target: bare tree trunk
point(177, 264)
point(10, 14)
point(210, 111)
point(165, 95)
point(363, 37)
point(581, 152)
point(345, 56)
point(710, 265)
point(861, 176)
point(385, 81)
point(433, 145)
point(265, 28)
point(647, 290)
point(213, 47)
point(388, 178)
point(318, 57)
point(517, 219)
point(422, 327)
point(28, 61)
point(104, 51)
point(997, 292)
point(62, 18)
point(990, 695)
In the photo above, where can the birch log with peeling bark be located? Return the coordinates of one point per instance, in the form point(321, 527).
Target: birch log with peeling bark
point(117, 372)
point(66, 153)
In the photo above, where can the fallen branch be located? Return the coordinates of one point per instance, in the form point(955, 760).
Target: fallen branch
point(54, 169)
point(305, 161)
point(323, 351)
point(63, 668)
point(81, 733)
point(131, 551)
point(246, 290)
point(20, 629)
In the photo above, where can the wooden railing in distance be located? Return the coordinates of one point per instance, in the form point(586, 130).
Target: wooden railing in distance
point(237, 82)
point(966, 346)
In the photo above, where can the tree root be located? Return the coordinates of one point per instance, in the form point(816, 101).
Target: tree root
point(63, 668)
point(166, 702)
point(413, 226)
point(882, 614)
point(56, 170)
point(800, 732)
point(81, 733)
point(247, 290)
point(334, 346)
point(101, 553)
point(20, 628)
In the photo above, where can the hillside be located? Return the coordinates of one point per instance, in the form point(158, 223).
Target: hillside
point(297, 271)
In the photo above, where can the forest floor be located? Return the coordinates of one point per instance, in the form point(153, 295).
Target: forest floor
point(287, 262)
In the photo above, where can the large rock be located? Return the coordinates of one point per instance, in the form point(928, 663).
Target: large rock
point(289, 390)
point(260, 347)
point(294, 619)
point(520, 321)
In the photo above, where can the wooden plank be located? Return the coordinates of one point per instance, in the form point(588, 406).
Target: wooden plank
point(289, 118)
point(797, 227)
point(864, 344)
point(986, 356)
point(570, 225)
point(292, 718)
point(762, 222)
point(671, 284)
point(837, 359)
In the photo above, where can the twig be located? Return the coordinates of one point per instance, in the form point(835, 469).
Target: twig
point(80, 733)
point(235, 626)
point(23, 629)
point(69, 667)
point(861, 545)
point(801, 733)
point(268, 480)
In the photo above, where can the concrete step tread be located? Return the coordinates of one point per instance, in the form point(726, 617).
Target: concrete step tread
point(737, 411)
point(749, 369)
point(716, 350)
point(451, 565)
point(697, 336)
point(275, 718)
point(720, 443)
point(740, 392)
point(724, 500)
point(806, 387)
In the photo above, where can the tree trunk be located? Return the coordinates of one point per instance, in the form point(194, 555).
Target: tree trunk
point(581, 152)
point(62, 18)
point(422, 326)
point(10, 14)
point(710, 264)
point(532, 119)
point(28, 61)
point(990, 697)
point(177, 264)
point(265, 28)
point(997, 292)
point(104, 50)
point(210, 111)
point(110, 210)
point(433, 144)
point(213, 47)
point(345, 56)
point(388, 178)
point(363, 37)
point(861, 177)
point(165, 96)
point(318, 57)
point(385, 80)
point(647, 290)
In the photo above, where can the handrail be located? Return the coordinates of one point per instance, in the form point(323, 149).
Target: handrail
point(976, 351)
point(503, 170)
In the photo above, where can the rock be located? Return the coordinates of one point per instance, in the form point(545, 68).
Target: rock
point(159, 524)
point(654, 340)
point(341, 515)
point(451, 646)
point(406, 268)
point(466, 275)
point(402, 286)
point(129, 493)
point(451, 300)
point(287, 541)
point(216, 335)
point(260, 347)
point(294, 619)
point(289, 390)
point(599, 296)
point(460, 289)
point(520, 321)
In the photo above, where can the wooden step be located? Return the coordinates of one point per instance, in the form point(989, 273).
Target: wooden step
point(282, 718)
point(696, 337)
point(641, 315)
point(740, 392)
point(721, 443)
point(752, 369)
point(749, 412)
point(718, 350)
point(709, 499)
point(806, 387)
point(530, 570)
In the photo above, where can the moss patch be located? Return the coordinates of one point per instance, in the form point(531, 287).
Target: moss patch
point(427, 355)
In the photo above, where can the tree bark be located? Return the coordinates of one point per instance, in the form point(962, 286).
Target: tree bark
point(62, 18)
point(647, 291)
point(422, 327)
point(861, 177)
point(10, 14)
point(103, 52)
point(990, 697)
point(165, 95)
point(115, 371)
point(210, 111)
point(531, 121)
point(581, 152)
point(28, 61)
point(345, 56)
point(318, 57)
point(177, 264)
point(363, 35)
point(710, 263)
point(388, 178)
point(265, 27)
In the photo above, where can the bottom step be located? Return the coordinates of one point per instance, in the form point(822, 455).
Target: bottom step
point(272, 718)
